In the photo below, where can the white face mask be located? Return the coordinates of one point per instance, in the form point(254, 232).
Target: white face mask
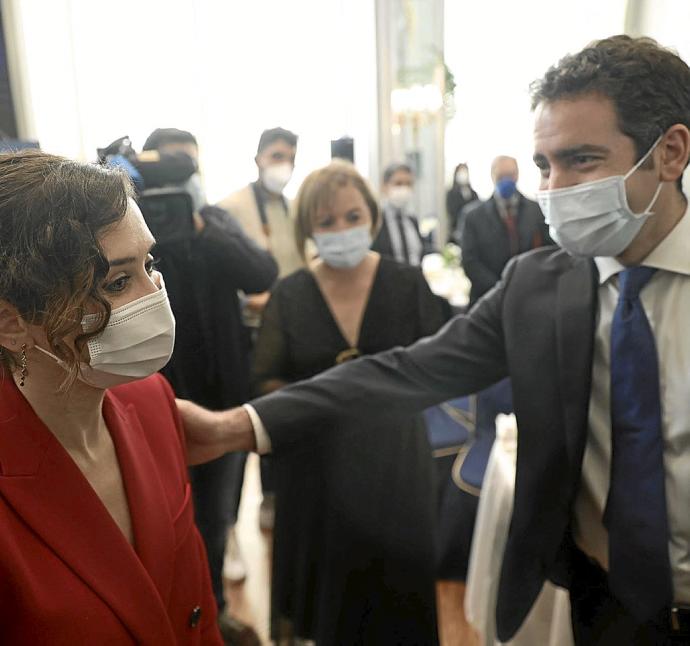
point(344, 249)
point(594, 219)
point(137, 341)
point(276, 176)
point(400, 196)
point(462, 177)
point(195, 187)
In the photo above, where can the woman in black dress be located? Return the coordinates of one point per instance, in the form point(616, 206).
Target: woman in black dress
point(459, 195)
point(353, 559)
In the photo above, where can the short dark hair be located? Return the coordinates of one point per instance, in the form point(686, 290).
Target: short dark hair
point(276, 134)
point(163, 136)
point(52, 214)
point(394, 168)
point(649, 85)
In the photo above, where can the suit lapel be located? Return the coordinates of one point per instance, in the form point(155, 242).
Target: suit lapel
point(576, 313)
point(41, 482)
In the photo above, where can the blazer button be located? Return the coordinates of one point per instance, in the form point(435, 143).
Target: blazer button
point(195, 617)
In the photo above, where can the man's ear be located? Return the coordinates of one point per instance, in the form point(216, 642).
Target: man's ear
point(675, 152)
point(14, 331)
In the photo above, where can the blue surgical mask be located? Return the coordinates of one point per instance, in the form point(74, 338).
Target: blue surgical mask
point(344, 249)
point(506, 187)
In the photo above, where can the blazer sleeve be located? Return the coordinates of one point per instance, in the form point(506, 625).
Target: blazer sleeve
point(465, 356)
point(222, 240)
point(480, 275)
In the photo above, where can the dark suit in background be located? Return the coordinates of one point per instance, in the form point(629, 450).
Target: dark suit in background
point(486, 243)
point(391, 245)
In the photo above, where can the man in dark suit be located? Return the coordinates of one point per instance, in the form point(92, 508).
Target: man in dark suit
point(399, 236)
point(594, 338)
point(501, 227)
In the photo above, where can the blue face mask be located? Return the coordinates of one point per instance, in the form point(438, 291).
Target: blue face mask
point(506, 187)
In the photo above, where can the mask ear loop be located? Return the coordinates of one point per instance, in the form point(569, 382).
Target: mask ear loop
point(644, 158)
point(636, 166)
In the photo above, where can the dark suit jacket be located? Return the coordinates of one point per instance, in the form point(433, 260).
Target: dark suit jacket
point(382, 242)
point(486, 244)
point(536, 326)
point(67, 574)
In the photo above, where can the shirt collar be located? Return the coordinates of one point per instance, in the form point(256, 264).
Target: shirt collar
point(671, 254)
point(510, 203)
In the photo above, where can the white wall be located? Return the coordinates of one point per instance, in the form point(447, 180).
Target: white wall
point(496, 48)
point(668, 21)
point(98, 69)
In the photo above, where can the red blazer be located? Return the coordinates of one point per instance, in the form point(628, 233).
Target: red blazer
point(67, 574)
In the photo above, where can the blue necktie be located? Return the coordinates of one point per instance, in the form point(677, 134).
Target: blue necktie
point(636, 518)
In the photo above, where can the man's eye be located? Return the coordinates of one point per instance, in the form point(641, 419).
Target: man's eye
point(581, 160)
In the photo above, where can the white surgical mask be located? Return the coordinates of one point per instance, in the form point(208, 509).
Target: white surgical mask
point(195, 187)
point(594, 218)
point(462, 176)
point(276, 176)
point(399, 196)
point(344, 249)
point(137, 341)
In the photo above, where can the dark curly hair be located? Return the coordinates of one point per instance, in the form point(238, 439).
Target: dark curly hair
point(648, 85)
point(52, 213)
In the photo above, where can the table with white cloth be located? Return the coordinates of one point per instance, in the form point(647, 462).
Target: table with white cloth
point(548, 623)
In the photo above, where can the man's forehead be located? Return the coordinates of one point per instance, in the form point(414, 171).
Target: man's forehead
point(568, 123)
point(279, 145)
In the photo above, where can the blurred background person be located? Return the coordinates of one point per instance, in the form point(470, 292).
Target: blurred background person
point(399, 237)
point(503, 226)
point(98, 544)
point(210, 364)
point(263, 212)
point(353, 558)
point(459, 195)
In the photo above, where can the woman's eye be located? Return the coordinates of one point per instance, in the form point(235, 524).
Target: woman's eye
point(117, 285)
point(151, 265)
point(353, 217)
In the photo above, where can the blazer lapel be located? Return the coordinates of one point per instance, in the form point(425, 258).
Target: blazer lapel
point(154, 537)
point(41, 482)
point(575, 322)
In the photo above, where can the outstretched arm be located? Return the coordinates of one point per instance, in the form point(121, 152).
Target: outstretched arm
point(467, 355)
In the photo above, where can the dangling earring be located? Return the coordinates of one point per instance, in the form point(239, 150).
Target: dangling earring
point(22, 365)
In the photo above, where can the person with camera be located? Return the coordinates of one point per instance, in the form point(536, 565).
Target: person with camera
point(210, 364)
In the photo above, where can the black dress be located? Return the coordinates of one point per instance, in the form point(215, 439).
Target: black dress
point(353, 559)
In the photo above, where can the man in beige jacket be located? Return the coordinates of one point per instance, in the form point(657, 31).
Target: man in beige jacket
point(261, 208)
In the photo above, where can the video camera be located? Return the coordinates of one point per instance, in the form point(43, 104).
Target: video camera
point(169, 213)
point(167, 208)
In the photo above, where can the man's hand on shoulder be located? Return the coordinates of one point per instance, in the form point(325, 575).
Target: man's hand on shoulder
point(211, 434)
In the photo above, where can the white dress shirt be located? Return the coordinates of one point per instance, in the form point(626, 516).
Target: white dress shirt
point(410, 230)
point(666, 302)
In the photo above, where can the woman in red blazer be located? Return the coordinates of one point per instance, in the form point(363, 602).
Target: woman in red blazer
point(97, 536)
